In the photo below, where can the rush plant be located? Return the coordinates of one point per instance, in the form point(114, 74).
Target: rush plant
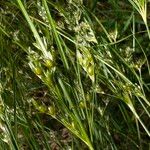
point(90, 61)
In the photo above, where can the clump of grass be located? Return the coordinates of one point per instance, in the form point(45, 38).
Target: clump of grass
point(93, 71)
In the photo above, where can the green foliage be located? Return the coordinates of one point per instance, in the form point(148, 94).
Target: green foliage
point(74, 74)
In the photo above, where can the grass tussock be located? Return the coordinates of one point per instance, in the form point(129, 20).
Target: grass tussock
point(74, 74)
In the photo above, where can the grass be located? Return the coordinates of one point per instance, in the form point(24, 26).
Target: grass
point(74, 75)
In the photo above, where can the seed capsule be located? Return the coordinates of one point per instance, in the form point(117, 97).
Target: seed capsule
point(85, 62)
point(38, 71)
point(48, 63)
point(81, 105)
point(42, 109)
point(51, 110)
point(90, 59)
point(72, 125)
point(91, 70)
